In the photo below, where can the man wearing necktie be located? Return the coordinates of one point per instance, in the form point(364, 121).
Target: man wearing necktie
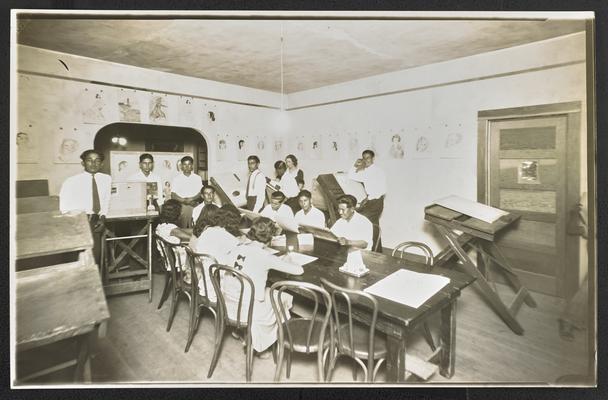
point(88, 192)
point(256, 185)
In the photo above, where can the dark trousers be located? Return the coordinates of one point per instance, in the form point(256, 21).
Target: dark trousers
point(251, 203)
point(372, 209)
point(93, 219)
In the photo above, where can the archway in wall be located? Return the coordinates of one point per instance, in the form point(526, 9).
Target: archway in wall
point(165, 142)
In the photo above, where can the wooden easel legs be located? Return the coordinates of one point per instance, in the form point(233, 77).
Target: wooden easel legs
point(491, 252)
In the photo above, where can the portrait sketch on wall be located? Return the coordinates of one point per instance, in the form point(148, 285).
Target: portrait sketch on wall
point(315, 146)
point(222, 147)
point(279, 148)
point(396, 150)
point(186, 111)
point(242, 151)
point(453, 144)
point(158, 108)
point(421, 146)
point(27, 145)
point(353, 145)
point(128, 106)
point(68, 147)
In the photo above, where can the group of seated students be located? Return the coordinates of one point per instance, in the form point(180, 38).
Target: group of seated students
point(217, 233)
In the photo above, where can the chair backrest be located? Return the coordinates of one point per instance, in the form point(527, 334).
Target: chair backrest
point(343, 300)
point(193, 260)
point(168, 252)
point(219, 273)
point(310, 291)
point(428, 253)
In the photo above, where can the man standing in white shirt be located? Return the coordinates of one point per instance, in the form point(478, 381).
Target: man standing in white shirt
point(186, 188)
point(309, 215)
point(256, 185)
point(352, 229)
point(146, 174)
point(374, 182)
point(89, 192)
point(208, 195)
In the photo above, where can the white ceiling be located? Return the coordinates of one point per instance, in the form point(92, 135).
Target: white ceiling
point(316, 53)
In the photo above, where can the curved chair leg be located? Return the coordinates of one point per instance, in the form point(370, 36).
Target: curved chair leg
point(355, 369)
point(428, 336)
point(166, 290)
point(219, 335)
point(249, 358)
point(174, 302)
point(288, 363)
point(277, 372)
point(331, 366)
point(194, 317)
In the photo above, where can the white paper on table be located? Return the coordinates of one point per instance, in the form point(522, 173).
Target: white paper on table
point(287, 223)
point(407, 287)
point(306, 239)
point(271, 250)
point(298, 258)
point(279, 241)
point(471, 208)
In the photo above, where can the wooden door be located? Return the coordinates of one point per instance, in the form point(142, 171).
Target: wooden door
point(528, 167)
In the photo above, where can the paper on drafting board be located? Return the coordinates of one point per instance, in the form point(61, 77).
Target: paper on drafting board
point(298, 258)
point(407, 287)
point(287, 223)
point(321, 233)
point(233, 185)
point(471, 208)
point(351, 187)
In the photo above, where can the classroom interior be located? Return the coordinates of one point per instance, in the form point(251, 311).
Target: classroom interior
point(490, 109)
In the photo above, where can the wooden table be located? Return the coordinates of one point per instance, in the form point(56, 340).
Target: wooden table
point(479, 236)
point(60, 302)
point(45, 233)
point(396, 320)
point(116, 281)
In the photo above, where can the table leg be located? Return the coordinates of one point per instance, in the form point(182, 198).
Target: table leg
point(395, 358)
point(448, 340)
point(103, 261)
point(83, 363)
point(150, 260)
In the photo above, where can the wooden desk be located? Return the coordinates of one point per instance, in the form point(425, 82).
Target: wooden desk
point(59, 302)
point(479, 236)
point(114, 280)
point(394, 319)
point(46, 233)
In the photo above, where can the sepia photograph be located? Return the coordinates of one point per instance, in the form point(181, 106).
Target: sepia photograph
point(323, 199)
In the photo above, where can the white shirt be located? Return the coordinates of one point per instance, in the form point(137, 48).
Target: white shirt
point(186, 186)
point(288, 185)
point(358, 228)
point(284, 212)
point(257, 187)
point(196, 211)
point(373, 179)
point(139, 176)
point(314, 217)
point(77, 193)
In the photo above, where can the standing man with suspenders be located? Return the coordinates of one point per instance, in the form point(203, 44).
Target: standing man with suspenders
point(256, 185)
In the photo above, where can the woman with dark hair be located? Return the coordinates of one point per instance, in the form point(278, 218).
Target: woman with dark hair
point(209, 237)
point(292, 169)
point(231, 219)
point(168, 230)
point(253, 259)
point(287, 184)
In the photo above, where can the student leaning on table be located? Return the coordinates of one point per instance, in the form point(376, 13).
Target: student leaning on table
point(352, 229)
point(253, 259)
point(146, 174)
point(88, 192)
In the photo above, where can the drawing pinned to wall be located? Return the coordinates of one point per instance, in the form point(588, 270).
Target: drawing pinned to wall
point(353, 145)
point(242, 148)
point(332, 145)
point(27, 145)
point(315, 147)
point(94, 106)
point(396, 150)
point(260, 143)
point(186, 111)
point(128, 106)
point(422, 146)
point(68, 147)
point(158, 108)
point(222, 147)
point(279, 151)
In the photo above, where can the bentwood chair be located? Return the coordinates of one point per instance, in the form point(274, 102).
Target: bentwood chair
point(166, 265)
point(302, 335)
point(399, 251)
point(199, 294)
point(177, 285)
point(354, 340)
point(220, 274)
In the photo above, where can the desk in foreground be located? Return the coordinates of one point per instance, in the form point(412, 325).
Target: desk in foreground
point(60, 302)
point(396, 320)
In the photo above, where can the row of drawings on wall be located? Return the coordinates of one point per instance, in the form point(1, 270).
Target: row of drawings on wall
point(66, 146)
point(396, 145)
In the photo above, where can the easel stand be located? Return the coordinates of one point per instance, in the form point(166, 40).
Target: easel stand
point(479, 236)
point(115, 279)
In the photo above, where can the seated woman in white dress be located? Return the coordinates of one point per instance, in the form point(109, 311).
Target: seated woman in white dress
point(168, 230)
point(216, 233)
point(253, 259)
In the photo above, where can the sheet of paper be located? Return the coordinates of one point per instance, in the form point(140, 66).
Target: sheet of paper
point(471, 208)
point(299, 258)
point(288, 223)
point(407, 287)
point(306, 239)
point(271, 250)
point(279, 241)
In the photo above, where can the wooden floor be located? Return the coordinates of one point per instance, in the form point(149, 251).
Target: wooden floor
point(137, 348)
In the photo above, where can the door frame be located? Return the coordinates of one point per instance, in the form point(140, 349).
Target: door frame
point(567, 278)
